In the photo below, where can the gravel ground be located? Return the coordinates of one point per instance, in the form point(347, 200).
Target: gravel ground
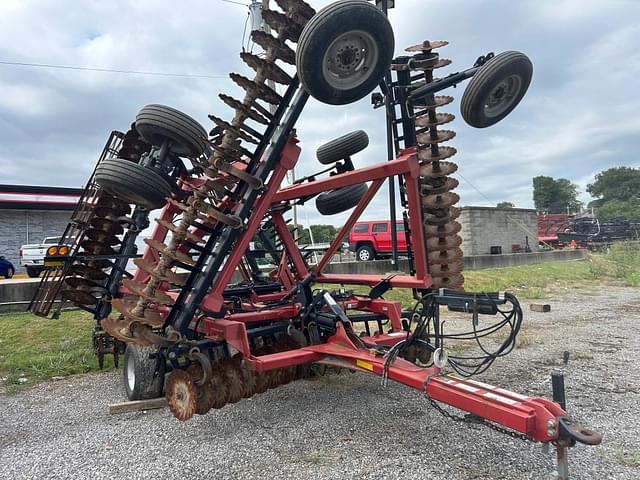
point(348, 426)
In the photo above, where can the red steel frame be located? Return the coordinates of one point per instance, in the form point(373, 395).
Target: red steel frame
point(534, 417)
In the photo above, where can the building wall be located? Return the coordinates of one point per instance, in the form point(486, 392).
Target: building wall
point(484, 227)
point(19, 227)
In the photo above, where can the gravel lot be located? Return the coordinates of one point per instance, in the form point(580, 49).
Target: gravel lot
point(348, 426)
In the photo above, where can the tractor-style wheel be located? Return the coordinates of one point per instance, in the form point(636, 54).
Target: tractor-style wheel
point(342, 147)
point(496, 89)
point(340, 199)
point(141, 381)
point(132, 183)
point(344, 51)
point(157, 123)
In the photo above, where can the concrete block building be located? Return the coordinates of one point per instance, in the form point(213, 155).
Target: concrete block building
point(30, 213)
point(487, 230)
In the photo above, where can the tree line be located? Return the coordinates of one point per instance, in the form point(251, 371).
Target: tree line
point(615, 192)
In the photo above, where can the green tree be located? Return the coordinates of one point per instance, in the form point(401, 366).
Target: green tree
point(505, 205)
point(552, 195)
point(617, 193)
point(324, 233)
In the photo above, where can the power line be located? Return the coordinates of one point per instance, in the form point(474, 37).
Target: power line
point(109, 70)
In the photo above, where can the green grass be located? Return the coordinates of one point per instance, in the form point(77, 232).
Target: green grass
point(629, 459)
point(37, 348)
point(621, 261)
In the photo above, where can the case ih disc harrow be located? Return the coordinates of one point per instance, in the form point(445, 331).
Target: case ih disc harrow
point(207, 342)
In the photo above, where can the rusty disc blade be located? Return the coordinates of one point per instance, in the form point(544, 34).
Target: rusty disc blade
point(444, 256)
point(255, 89)
point(78, 282)
point(429, 63)
point(444, 243)
point(115, 206)
point(434, 137)
point(138, 289)
point(87, 272)
point(277, 47)
point(455, 281)
point(150, 318)
point(439, 169)
point(174, 255)
point(181, 395)
point(441, 216)
point(438, 185)
point(427, 120)
point(219, 388)
point(233, 380)
point(427, 45)
point(443, 200)
point(121, 329)
point(282, 24)
point(78, 297)
point(442, 153)
point(235, 131)
point(450, 228)
point(241, 107)
point(267, 69)
point(109, 226)
point(168, 276)
point(299, 6)
point(177, 230)
point(445, 269)
point(102, 237)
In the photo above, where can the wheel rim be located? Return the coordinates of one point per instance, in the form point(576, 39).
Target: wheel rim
point(131, 375)
point(364, 255)
point(350, 59)
point(502, 96)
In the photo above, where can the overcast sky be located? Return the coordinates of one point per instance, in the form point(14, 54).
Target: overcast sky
point(579, 117)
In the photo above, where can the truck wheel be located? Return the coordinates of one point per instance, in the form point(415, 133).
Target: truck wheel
point(496, 89)
point(140, 379)
point(10, 272)
point(132, 183)
point(365, 253)
point(33, 272)
point(156, 123)
point(340, 199)
point(344, 51)
point(342, 147)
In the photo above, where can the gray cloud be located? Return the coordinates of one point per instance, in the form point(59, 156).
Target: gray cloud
point(578, 118)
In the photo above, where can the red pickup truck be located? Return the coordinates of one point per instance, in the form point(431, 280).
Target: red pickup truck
point(372, 240)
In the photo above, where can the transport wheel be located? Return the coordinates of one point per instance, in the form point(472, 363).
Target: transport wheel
point(140, 383)
point(10, 272)
point(344, 51)
point(496, 89)
point(340, 199)
point(342, 147)
point(155, 123)
point(365, 253)
point(33, 272)
point(133, 183)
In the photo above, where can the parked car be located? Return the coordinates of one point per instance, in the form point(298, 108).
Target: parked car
point(6, 268)
point(32, 256)
point(371, 240)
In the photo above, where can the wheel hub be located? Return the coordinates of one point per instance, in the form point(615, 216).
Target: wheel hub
point(349, 59)
point(503, 95)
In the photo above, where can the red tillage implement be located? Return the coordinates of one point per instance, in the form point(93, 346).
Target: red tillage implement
point(190, 329)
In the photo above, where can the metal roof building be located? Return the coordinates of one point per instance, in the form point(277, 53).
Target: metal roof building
point(29, 213)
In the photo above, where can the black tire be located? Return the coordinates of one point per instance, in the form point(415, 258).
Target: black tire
point(342, 147)
point(155, 123)
point(365, 253)
point(10, 272)
point(344, 51)
point(141, 381)
point(340, 199)
point(133, 183)
point(496, 89)
point(34, 272)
